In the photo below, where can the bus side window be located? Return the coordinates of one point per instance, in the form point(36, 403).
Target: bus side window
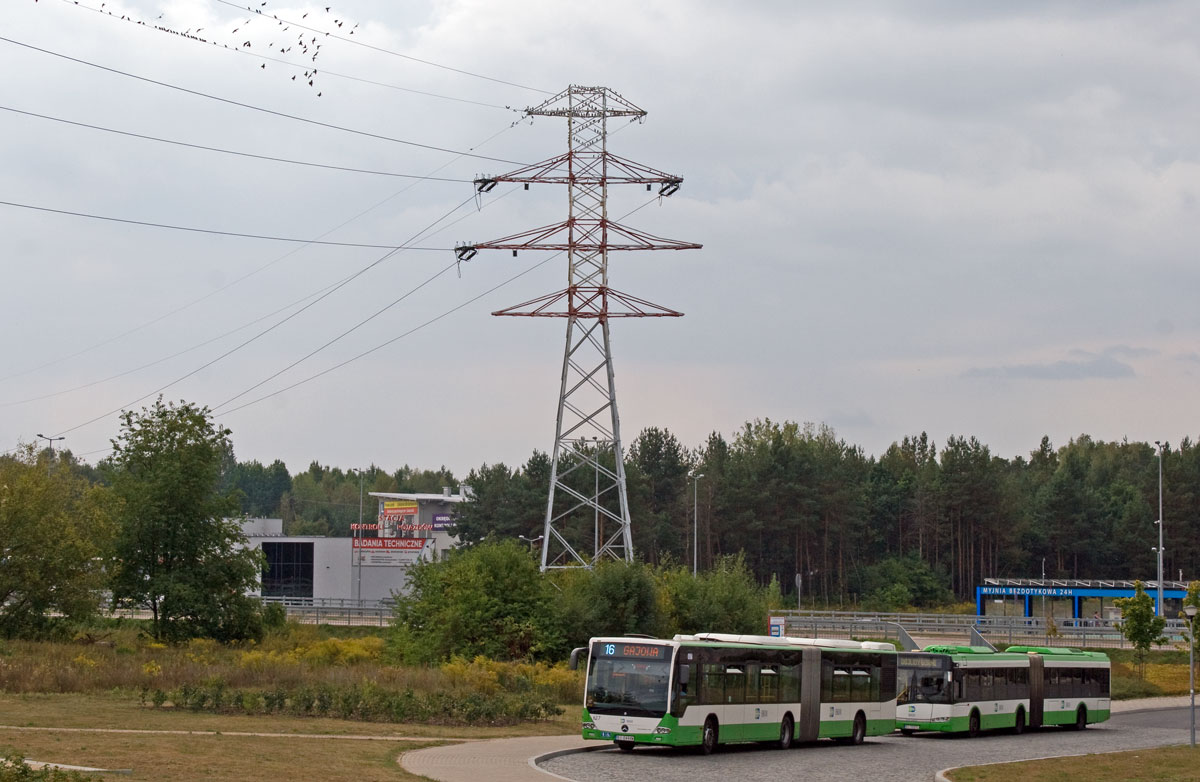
point(735, 684)
point(826, 681)
point(860, 683)
point(712, 688)
point(841, 684)
point(972, 676)
point(768, 684)
point(687, 683)
point(752, 683)
point(789, 684)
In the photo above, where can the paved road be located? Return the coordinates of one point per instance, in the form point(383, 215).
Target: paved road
point(915, 758)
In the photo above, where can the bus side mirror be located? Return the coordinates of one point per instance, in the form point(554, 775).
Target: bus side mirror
point(574, 663)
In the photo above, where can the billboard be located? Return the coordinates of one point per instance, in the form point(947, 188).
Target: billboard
point(396, 515)
point(390, 552)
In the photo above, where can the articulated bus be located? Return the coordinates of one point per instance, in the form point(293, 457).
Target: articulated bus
point(710, 689)
point(968, 689)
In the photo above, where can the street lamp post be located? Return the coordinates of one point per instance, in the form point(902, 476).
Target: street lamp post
point(531, 541)
point(50, 440)
point(1045, 619)
point(696, 522)
point(1159, 445)
point(358, 554)
point(1190, 610)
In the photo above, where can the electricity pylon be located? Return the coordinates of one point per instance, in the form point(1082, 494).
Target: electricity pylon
point(588, 427)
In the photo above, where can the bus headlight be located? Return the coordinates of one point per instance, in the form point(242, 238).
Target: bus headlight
point(661, 730)
point(589, 726)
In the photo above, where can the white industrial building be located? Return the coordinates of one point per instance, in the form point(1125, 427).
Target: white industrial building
point(369, 566)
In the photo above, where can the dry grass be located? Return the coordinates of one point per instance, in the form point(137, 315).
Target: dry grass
point(298, 657)
point(115, 710)
point(1168, 764)
point(247, 759)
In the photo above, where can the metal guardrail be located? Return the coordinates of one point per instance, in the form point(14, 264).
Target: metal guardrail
point(329, 602)
point(335, 611)
point(1009, 629)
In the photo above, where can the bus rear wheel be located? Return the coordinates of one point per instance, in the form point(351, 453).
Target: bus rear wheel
point(709, 736)
point(1019, 727)
point(786, 732)
point(1080, 718)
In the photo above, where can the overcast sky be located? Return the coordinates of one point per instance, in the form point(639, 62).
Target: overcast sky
point(963, 218)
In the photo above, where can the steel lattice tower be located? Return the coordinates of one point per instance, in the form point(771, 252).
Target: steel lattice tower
point(588, 429)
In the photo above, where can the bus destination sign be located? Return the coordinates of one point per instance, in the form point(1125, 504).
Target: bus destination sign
point(632, 651)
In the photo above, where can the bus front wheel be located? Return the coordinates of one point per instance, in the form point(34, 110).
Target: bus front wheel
point(973, 725)
point(708, 739)
point(858, 732)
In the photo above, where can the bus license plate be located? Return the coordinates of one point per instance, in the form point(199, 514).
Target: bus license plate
point(625, 738)
point(912, 727)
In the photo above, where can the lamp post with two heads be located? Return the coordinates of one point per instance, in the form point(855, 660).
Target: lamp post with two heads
point(1190, 610)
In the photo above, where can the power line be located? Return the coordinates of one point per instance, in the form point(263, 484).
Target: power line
point(188, 35)
point(218, 233)
point(268, 330)
point(414, 329)
point(252, 107)
point(226, 334)
point(165, 358)
point(345, 333)
point(389, 51)
point(230, 151)
point(267, 265)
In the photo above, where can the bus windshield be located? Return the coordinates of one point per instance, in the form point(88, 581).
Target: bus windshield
point(923, 679)
point(634, 686)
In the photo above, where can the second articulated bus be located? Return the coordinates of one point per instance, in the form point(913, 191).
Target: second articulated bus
point(968, 689)
point(709, 689)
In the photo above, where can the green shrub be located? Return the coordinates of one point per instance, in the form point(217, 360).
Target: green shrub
point(274, 616)
point(370, 702)
point(13, 769)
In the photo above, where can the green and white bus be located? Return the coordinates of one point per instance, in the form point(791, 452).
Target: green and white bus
point(969, 689)
point(710, 689)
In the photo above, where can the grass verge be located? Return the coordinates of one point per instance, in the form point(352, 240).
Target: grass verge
point(1166, 764)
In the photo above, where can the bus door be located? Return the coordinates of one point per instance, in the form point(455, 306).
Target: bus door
point(733, 710)
point(1037, 690)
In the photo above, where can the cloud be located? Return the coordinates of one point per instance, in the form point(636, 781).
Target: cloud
point(1103, 367)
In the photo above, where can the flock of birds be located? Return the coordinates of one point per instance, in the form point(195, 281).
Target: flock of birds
point(308, 39)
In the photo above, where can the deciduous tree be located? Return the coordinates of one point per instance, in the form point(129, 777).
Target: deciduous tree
point(177, 553)
point(55, 532)
point(1139, 625)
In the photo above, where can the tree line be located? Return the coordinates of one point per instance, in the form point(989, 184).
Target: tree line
point(921, 524)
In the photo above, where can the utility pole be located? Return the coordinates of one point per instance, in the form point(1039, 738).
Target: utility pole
point(587, 398)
